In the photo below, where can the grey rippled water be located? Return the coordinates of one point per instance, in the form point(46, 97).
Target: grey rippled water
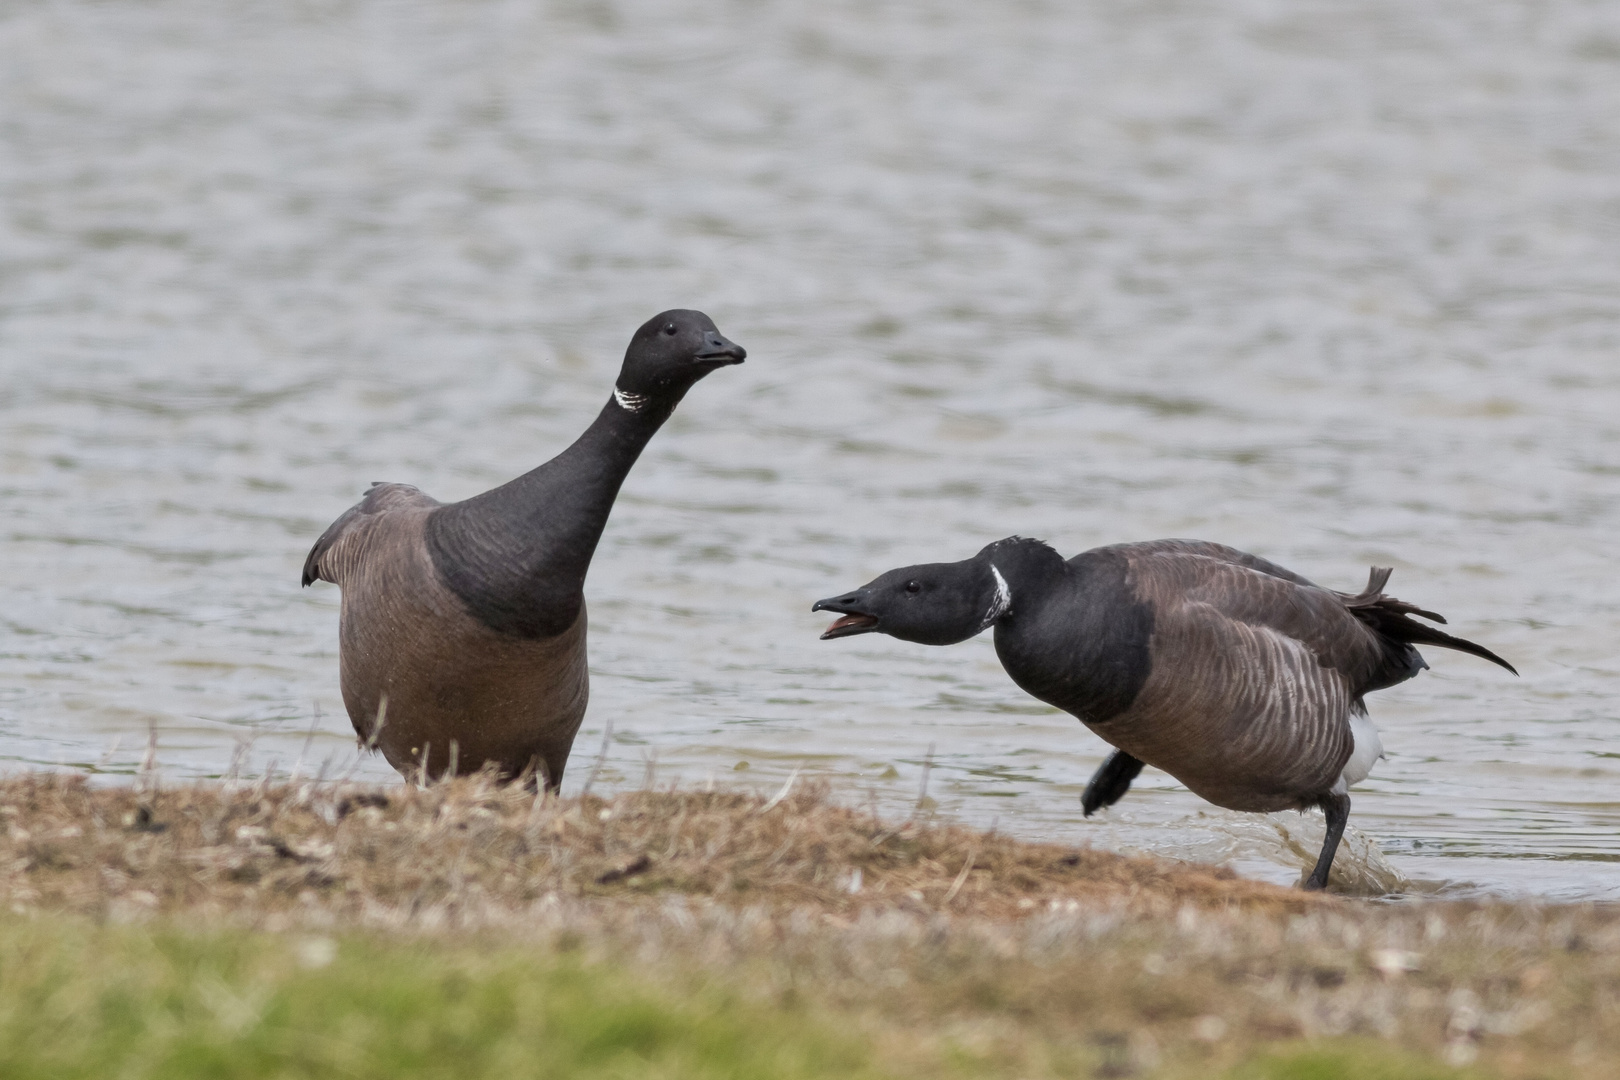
point(1338, 283)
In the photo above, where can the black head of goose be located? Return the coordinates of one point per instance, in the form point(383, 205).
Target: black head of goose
point(462, 633)
point(1241, 679)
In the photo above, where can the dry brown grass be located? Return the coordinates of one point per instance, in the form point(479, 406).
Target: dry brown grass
point(474, 852)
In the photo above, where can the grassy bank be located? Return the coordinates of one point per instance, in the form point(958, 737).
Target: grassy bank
point(466, 931)
point(80, 1000)
point(100, 1002)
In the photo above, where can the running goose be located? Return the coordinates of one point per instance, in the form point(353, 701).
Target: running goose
point(462, 633)
point(1241, 679)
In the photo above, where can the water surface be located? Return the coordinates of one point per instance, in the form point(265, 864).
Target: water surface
point(1337, 283)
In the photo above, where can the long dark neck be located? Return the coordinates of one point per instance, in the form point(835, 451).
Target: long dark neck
point(517, 555)
point(1077, 636)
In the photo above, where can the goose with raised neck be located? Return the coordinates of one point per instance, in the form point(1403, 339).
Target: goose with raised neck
point(462, 631)
point(1243, 680)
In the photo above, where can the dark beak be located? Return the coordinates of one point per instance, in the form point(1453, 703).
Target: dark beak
point(855, 621)
point(717, 348)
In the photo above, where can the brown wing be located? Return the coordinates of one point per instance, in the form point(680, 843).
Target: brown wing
point(1204, 549)
point(1260, 594)
point(1253, 677)
point(326, 559)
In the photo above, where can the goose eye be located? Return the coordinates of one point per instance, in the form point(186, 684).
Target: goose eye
point(914, 587)
point(670, 329)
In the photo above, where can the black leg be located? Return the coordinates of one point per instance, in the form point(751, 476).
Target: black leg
point(1337, 809)
point(552, 768)
point(1110, 782)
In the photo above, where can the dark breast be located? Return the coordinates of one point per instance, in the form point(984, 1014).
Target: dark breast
point(494, 560)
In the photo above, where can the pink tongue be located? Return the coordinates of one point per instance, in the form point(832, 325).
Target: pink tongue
point(851, 620)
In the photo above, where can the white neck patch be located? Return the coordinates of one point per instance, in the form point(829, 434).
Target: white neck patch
point(1002, 602)
point(629, 402)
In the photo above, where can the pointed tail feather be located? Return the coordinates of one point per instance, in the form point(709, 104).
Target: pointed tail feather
point(1418, 634)
point(1390, 617)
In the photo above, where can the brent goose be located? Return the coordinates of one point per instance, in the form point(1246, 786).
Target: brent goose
point(462, 635)
point(1241, 679)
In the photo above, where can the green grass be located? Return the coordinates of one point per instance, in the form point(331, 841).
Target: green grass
point(1344, 1059)
point(78, 1000)
point(81, 999)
